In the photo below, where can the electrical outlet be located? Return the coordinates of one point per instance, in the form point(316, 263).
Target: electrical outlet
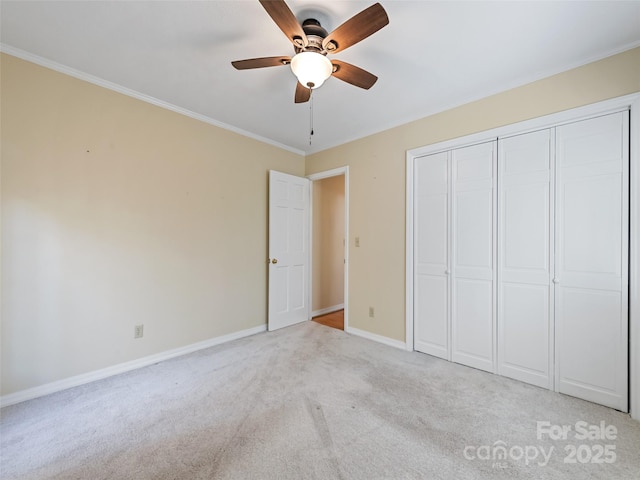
point(371, 312)
point(138, 331)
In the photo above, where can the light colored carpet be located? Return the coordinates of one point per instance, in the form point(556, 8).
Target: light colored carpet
point(308, 402)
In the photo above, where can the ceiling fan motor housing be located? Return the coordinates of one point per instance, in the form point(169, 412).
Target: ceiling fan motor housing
point(315, 35)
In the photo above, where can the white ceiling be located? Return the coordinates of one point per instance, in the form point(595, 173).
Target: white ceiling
point(433, 55)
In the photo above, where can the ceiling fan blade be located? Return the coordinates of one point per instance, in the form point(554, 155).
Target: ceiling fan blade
point(279, 11)
point(357, 28)
point(353, 75)
point(303, 94)
point(261, 62)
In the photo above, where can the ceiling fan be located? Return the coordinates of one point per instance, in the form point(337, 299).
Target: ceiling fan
point(312, 43)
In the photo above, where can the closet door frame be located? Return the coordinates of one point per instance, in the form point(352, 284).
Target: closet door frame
point(630, 102)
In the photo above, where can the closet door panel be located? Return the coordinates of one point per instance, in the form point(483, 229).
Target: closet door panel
point(474, 233)
point(525, 230)
point(473, 306)
point(473, 309)
point(524, 347)
point(592, 258)
point(431, 315)
point(431, 245)
point(587, 355)
point(433, 250)
point(524, 297)
point(592, 228)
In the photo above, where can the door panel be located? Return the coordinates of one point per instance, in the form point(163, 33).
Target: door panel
point(432, 251)
point(592, 228)
point(431, 314)
point(589, 355)
point(473, 313)
point(598, 140)
point(473, 221)
point(431, 245)
point(591, 279)
point(288, 250)
point(525, 229)
point(525, 334)
point(474, 233)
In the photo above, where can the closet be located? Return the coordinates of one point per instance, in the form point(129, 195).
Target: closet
point(520, 263)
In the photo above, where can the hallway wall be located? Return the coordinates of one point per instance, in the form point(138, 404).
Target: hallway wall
point(328, 243)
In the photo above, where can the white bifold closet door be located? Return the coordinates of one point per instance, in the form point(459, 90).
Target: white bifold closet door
point(473, 315)
point(525, 258)
point(591, 272)
point(555, 231)
point(431, 256)
point(454, 255)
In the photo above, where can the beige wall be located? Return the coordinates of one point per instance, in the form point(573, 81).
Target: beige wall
point(116, 212)
point(377, 176)
point(328, 246)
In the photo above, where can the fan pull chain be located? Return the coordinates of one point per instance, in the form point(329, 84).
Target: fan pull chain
point(310, 115)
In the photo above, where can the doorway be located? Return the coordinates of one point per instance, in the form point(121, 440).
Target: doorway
point(329, 233)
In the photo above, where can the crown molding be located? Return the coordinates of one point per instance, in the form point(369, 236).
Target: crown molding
point(72, 72)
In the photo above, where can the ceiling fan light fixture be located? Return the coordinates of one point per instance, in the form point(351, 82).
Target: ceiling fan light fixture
point(311, 68)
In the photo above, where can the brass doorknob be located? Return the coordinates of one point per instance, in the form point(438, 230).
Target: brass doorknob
point(274, 261)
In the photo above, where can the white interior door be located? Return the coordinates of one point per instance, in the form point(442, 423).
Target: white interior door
point(525, 296)
point(288, 250)
point(473, 303)
point(431, 245)
point(591, 278)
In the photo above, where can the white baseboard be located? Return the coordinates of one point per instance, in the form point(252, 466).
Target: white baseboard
point(377, 338)
point(324, 311)
point(84, 378)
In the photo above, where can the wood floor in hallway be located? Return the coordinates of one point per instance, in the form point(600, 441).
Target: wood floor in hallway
point(333, 319)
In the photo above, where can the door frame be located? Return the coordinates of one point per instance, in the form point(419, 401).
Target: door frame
point(335, 172)
point(631, 102)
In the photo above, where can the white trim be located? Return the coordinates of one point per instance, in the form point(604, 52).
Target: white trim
point(377, 338)
point(631, 102)
point(634, 259)
point(346, 246)
point(551, 120)
point(494, 252)
point(336, 172)
point(310, 262)
point(30, 57)
point(325, 311)
point(409, 221)
point(43, 62)
point(89, 377)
